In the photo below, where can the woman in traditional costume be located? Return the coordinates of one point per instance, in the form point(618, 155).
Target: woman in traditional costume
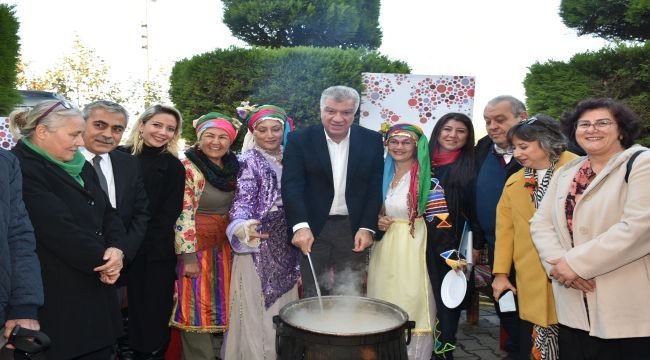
point(398, 271)
point(265, 265)
point(204, 263)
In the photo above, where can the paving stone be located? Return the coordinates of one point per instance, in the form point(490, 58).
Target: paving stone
point(480, 341)
point(486, 354)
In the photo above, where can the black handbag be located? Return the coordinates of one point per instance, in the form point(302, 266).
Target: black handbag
point(29, 344)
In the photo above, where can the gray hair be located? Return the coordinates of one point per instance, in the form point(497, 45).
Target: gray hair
point(340, 93)
point(135, 140)
point(545, 130)
point(105, 105)
point(516, 105)
point(24, 121)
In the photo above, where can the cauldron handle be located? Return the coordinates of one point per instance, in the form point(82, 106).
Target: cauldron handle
point(410, 325)
point(278, 325)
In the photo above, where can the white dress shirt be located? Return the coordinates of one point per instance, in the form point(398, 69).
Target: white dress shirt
point(507, 154)
point(339, 159)
point(107, 169)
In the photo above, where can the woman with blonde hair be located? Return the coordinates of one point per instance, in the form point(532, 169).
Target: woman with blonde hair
point(151, 275)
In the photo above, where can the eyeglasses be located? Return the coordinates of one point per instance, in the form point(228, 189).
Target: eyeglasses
point(66, 105)
point(600, 124)
point(393, 143)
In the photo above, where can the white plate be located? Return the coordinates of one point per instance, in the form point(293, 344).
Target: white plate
point(453, 288)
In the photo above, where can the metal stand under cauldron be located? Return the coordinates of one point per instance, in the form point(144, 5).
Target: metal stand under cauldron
point(297, 340)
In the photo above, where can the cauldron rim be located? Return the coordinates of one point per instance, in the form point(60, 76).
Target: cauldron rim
point(283, 315)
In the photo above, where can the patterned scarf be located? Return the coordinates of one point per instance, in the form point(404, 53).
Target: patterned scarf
point(581, 181)
point(225, 178)
point(545, 343)
point(537, 190)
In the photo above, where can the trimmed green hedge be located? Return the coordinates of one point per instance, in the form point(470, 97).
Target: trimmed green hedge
point(9, 47)
point(292, 78)
point(622, 72)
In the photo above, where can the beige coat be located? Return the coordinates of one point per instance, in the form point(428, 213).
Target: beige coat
point(611, 228)
point(514, 244)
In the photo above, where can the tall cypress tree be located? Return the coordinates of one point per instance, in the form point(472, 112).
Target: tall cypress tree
point(9, 47)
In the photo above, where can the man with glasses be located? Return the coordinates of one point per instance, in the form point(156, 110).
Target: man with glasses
point(331, 189)
point(494, 165)
point(121, 179)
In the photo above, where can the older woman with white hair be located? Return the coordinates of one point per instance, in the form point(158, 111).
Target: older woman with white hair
point(78, 234)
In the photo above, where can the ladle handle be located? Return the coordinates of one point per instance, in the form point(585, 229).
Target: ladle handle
point(410, 325)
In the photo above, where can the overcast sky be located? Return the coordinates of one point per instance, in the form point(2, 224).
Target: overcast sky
point(495, 41)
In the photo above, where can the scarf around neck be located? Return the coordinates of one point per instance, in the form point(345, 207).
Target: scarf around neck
point(444, 158)
point(72, 167)
point(223, 178)
point(535, 188)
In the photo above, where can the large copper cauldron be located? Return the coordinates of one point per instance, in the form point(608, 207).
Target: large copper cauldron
point(370, 329)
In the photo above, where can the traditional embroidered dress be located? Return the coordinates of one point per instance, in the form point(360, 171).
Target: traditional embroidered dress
point(201, 303)
point(397, 272)
point(265, 273)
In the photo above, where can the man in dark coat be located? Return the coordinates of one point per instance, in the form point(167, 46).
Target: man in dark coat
point(120, 176)
point(331, 190)
point(494, 165)
point(21, 288)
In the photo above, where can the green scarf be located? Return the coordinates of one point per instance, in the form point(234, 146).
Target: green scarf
point(72, 167)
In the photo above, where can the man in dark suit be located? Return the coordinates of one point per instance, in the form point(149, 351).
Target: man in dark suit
point(119, 175)
point(331, 190)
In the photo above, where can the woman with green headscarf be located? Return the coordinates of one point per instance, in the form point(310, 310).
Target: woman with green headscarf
point(398, 271)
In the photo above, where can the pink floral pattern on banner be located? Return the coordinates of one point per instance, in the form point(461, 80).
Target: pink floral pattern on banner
point(6, 139)
point(421, 99)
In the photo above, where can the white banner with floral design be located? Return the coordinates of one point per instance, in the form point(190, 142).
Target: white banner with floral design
point(416, 99)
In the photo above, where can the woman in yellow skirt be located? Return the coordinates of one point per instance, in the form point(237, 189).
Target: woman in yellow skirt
point(398, 272)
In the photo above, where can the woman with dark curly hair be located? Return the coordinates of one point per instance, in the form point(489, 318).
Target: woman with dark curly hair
point(592, 232)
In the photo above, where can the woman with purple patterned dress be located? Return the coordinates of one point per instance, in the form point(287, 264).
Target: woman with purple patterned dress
point(265, 265)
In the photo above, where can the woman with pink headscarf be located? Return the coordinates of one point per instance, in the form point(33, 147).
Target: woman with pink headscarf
point(265, 265)
point(204, 257)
